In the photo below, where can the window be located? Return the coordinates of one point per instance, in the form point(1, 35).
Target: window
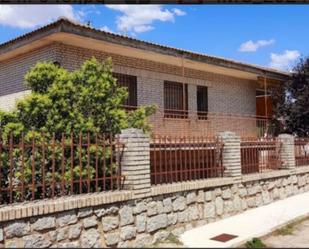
point(57, 63)
point(175, 100)
point(202, 102)
point(128, 81)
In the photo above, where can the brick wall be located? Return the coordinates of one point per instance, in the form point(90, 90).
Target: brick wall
point(12, 71)
point(226, 94)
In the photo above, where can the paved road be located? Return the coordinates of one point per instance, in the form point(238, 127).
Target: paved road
point(298, 238)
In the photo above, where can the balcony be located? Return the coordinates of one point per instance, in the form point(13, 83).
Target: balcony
point(193, 123)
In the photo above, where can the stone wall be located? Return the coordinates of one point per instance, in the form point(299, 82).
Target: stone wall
point(142, 214)
point(144, 221)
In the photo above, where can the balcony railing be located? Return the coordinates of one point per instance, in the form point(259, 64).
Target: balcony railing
point(197, 123)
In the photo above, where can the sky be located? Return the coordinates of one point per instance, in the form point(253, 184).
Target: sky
point(268, 35)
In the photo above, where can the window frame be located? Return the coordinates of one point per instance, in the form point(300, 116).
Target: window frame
point(202, 113)
point(171, 91)
point(130, 82)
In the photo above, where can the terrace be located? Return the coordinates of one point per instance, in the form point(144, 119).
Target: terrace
point(197, 123)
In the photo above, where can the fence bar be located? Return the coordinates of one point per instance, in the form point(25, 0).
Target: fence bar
point(33, 167)
point(184, 158)
point(301, 151)
point(1, 165)
point(80, 163)
point(43, 166)
point(53, 165)
point(96, 164)
point(11, 167)
point(62, 164)
point(22, 167)
point(72, 162)
point(111, 161)
point(260, 155)
point(117, 161)
point(38, 165)
point(88, 162)
point(104, 164)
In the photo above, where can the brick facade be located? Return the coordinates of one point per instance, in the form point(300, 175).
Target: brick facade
point(225, 94)
point(12, 71)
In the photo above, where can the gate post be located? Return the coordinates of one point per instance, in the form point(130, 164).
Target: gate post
point(135, 161)
point(231, 156)
point(287, 152)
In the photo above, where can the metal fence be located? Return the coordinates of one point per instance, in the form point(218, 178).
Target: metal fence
point(177, 159)
point(39, 166)
point(301, 151)
point(259, 155)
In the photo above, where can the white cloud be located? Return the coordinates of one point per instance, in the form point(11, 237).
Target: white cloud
point(251, 46)
point(285, 60)
point(31, 16)
point(139, 18)
point(179, 12)
point(107, 29)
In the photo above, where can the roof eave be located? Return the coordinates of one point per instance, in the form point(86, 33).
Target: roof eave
point(64, 25)
point(108, 37)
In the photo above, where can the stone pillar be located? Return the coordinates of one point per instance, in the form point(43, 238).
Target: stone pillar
point(135, 161)
point(231, 156)
point(287, 151)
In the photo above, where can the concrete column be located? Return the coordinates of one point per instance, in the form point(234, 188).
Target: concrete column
point(287, 151)
point(135, 161)
point(231, 154)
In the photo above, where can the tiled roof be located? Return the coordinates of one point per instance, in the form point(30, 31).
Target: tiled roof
point(61, 23)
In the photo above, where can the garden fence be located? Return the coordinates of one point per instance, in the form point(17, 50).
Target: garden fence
point(38, 165)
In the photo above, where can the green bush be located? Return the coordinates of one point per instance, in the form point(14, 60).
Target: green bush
point(63, 105)
point(255, 243)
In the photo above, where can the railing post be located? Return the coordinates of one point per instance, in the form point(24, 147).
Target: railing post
point(135, 161)
point(287, 151)
point(231, 157)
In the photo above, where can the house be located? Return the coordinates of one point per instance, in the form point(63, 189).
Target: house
point(196, 94)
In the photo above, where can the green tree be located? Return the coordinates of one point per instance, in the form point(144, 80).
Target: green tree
point(64, 106)
point(291, 102)
point(85, 100)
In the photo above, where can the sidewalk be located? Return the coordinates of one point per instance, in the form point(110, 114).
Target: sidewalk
point(251, 223)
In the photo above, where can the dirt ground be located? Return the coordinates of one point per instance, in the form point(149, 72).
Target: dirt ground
point(296, 234)
point(168, 245)
point(170, 242)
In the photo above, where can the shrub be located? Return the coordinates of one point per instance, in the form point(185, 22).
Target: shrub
point(65, 106)
point(255, 243)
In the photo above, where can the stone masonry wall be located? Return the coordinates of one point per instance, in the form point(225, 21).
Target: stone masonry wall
point(148, 220)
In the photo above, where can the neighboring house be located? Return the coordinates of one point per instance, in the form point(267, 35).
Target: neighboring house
point(196, 93)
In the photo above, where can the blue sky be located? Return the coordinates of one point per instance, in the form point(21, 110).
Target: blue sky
point(268, 35)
